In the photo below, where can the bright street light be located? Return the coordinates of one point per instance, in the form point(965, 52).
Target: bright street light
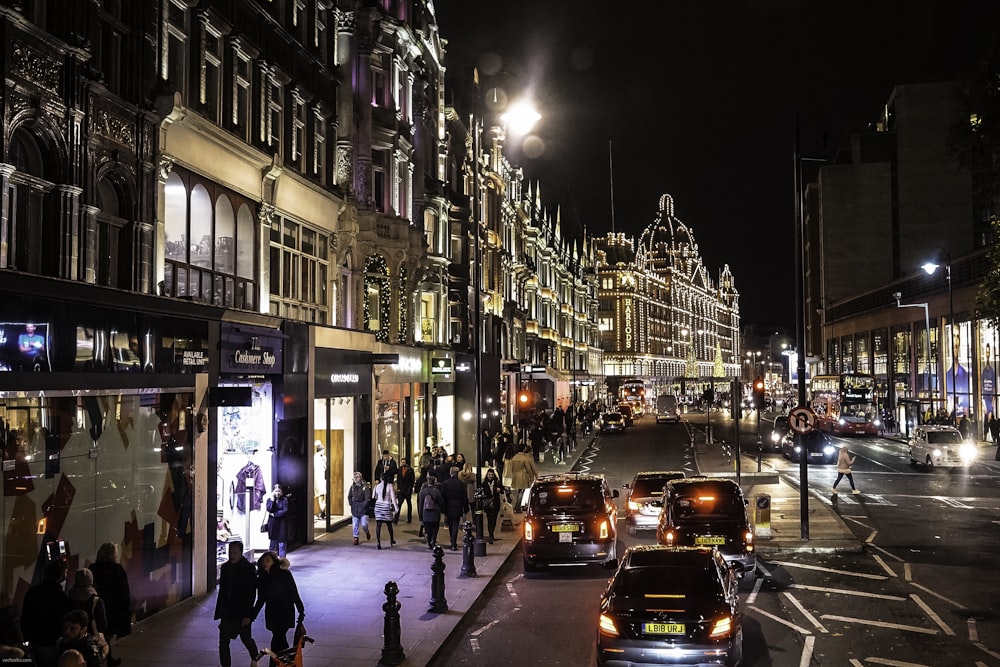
point(520, 117)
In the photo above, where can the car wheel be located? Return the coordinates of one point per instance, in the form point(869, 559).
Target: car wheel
point(929, 464)
point(529, 567)
point(736, 653)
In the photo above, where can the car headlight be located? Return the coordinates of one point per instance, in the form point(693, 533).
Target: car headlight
point(936, 453)
point(841, 421)
point(968, 452)
point(877, 422)
point(829, 450)
point(775, 437)
point(798, 448)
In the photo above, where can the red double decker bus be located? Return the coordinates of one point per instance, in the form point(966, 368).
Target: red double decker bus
point(845, 404)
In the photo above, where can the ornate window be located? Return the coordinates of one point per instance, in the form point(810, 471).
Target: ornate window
point(299, 270)
point(321, 30)
point(380, 79)
point(319, 160)
point(30, 219)
point(173, 54)
point(112, 33)
point(210, 85)
point(380, 179)
point(209, 243)
point(242, 76)
point(298, 138)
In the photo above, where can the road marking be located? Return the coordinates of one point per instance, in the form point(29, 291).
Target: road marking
point(885, 566)
point(830, 569)
point(953, 502)
point(856, 663)
point(880, 624)
point(807, 651)
point(934, 617)
point(756, 588)
point(907, 572)
point(894, 663)
point(888, 554)
point(771, 616)
point(985, 650)
point(843, 591)
point(871, 536)
point(513, 594)
point(812, 619)
point(857, 520)
point(973, 631)
point(937, 595)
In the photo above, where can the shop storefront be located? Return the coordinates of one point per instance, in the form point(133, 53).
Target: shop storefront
point(100, 426)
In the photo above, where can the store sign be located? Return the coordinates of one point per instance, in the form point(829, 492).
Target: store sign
point(628, 324)
point(345, 378)
point(441, 366)
point(250, 352)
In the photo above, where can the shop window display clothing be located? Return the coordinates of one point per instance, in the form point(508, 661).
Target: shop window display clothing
point(239, 487)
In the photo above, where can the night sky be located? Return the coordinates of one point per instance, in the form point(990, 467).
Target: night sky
point(699, 100)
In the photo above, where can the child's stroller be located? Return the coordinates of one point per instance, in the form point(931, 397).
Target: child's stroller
point(292, 656)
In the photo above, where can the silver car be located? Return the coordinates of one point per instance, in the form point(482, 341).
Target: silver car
point(934, 446)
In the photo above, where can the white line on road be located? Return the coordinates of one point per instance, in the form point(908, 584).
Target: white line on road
point(856, 663)
point(807, 651)
point(513, 595)
point(485, 627)
point(894, 663)
point(985, 650)
point(885, 566)
point(809, 617)
point(907, 572)
point(857, 520)
point(771, 616)
point(756, 588)
point(871, 537)
point(843, 591)
point(973, 632)
point(934, 617)
point(937, 595)
point(830, 569)
point(952, 502)
point(888, 554)
point(880, 624)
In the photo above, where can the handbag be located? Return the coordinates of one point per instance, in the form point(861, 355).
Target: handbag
point(263, 526)
point(370, 506)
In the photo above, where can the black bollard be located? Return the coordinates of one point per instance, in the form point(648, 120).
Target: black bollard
point(438, 604)
point(392, 650)
point(468, 552)
point(479, 515)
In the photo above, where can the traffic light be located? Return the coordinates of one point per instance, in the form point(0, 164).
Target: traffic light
point(758, 393)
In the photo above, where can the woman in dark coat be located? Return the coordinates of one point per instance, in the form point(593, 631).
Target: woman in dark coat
point(279, 596)
point(111, 583)
point(277, 528)
point(491, 489)
point(431, 504)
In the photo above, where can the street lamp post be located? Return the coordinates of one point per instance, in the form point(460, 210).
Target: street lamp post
point(930, 267)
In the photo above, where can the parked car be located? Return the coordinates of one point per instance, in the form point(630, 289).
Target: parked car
point(612, 422)
point(571, 519)
point(671, 606)
point(816, 446)
point(934, 446)
point(626, 412)
point(644, 498)
point(709, 511)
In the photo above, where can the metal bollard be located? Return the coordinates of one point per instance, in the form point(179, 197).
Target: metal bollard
point(392, 650)
point(468, 552)
point(438, 604)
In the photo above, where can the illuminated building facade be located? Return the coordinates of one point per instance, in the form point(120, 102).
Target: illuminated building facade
point(662, 318)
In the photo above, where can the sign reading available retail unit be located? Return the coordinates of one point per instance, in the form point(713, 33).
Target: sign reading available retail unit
point(250, 350)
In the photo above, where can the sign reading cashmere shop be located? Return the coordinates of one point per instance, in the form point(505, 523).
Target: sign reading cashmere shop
point(248, 350)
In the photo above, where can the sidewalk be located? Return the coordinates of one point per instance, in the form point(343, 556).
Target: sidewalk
point(342, 585)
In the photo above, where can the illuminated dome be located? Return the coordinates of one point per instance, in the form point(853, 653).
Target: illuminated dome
point(667, 245)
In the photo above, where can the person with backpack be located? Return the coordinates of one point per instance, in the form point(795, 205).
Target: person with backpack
point(83, 596)
point(431, 504)
point(358, 497)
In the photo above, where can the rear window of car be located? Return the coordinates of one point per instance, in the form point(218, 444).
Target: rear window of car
point(613, 417)
point(686, 581)
point(566, 498)
point(650, 486)
point(705, 506)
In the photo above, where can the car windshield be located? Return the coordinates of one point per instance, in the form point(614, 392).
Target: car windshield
point(566, 498)
point(708, 506)
point(944, 437)
point(682, 581)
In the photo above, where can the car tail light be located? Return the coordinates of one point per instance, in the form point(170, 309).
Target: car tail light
point(748, 538)
point(604, 529)
point(529, 531)
point(721, 627)
point(607, 625)
point(668, 537)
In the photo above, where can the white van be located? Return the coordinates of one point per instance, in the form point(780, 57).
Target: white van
point(666, 409)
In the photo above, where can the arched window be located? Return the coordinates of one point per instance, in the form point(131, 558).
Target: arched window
point(30, 229)
point(106, 255)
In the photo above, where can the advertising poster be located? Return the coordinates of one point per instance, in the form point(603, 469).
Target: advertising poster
point(24, 346)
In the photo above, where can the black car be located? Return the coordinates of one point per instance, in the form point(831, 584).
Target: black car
point(612, 422)
point(778, 430)
point(644, 498)
point(671, 606)
point(709, 511)
point(817, 446)
point(571, 519)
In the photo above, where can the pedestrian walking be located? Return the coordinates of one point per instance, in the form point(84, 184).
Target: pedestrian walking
point(405, 480)
point(386, 464)
point(42, 611)
point(357, 497)
point(385, 508)
point(84, 596)
point(467, 476)
point(844, 463)
point(431, 504)
point(456, 503)
point(492, 490)
point(76, 637)
point(234, 608)
point(279, 597)
point(523, 472)
point(111, 583)
point(277, 520)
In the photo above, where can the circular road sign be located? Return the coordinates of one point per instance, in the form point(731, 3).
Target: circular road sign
point(802, 419)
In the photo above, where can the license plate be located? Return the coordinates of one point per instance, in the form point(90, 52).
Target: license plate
point(565, 528)
point(565, 537)
point(663, 628)
point(710, 539)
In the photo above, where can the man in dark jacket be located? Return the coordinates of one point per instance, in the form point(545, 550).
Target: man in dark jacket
point(405, 480)
point(234, 606)
point(456, 503)
point(42, 613)
point(76, 637)
point(386, 464)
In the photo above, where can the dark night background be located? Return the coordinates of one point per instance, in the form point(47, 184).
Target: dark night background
point(699, 100)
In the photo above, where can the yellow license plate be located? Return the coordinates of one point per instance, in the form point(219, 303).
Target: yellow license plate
point(663, 628)
point(565, 528)
point(710, 539)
